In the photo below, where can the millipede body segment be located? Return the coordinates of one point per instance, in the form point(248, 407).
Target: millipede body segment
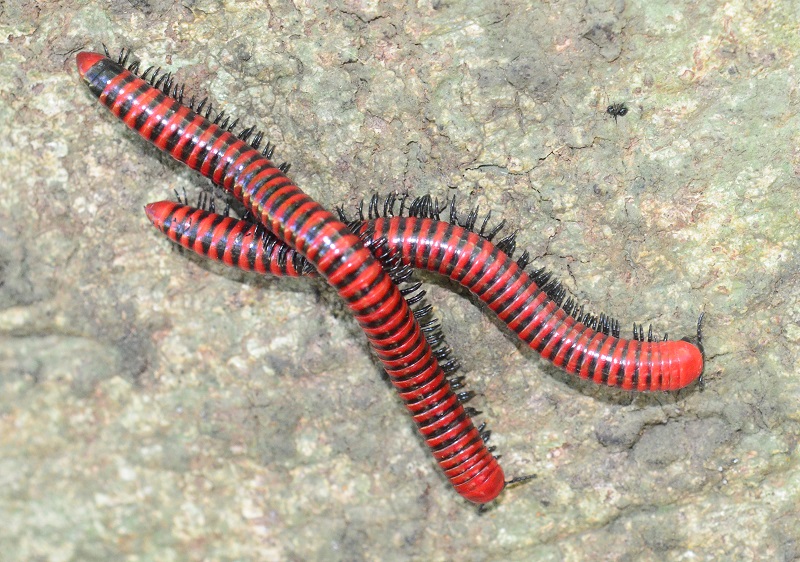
point(530, 304)
point(154, 109)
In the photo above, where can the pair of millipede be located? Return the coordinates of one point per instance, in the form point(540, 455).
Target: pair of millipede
point(366, 259)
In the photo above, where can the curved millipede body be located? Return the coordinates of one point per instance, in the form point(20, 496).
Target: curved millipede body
point(157, 113)
point(531, 305)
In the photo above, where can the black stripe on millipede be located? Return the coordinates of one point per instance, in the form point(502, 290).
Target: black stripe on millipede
point(259, 190)
point(349, 279)
point(417, 398)
point(164, 117)
point(99, 75)
point(178, 129)
point(425, 413)
point(442, 241)
point(191, 233)
point(204, 150)
point(546, 301)
point(236, 250)
point(167, 223)
point(574, 346)
point(648, 380)
point(464, 447)
point(594, 355)
point(585, 352)
point(217, 155)
point(540, 346)
point(145, 114)
point(460, 467)
point(460, 450)
point(411, 359)
point(252, 248)
point(523, 309)
point(635, 375)
point(130, 100)
point(433, 420)
point(256, 189)
point(120, 81)
point(609, 363)
point(302, 219)
point(483, 266)
point(500, 292)
point(461, 243)
point(507, 298)
point(415, 387)
point(378, 322)
point(450, 442)
point(426, 232)
point(553, 334)
point(457, 422)
point(500, 271)
point(208, 235)
point(201, 126)
point(235, 176)
point(436, 419)
point(260, 193)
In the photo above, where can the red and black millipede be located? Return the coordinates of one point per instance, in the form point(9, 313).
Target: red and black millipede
point(530, 304)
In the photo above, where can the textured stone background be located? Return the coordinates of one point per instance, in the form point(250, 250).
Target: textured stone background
point(156, 407)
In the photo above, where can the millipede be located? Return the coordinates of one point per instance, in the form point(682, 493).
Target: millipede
point(533, 305)
point(152, 105)
point(368, 259)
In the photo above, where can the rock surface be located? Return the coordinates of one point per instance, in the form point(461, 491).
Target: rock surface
point(154, 406)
